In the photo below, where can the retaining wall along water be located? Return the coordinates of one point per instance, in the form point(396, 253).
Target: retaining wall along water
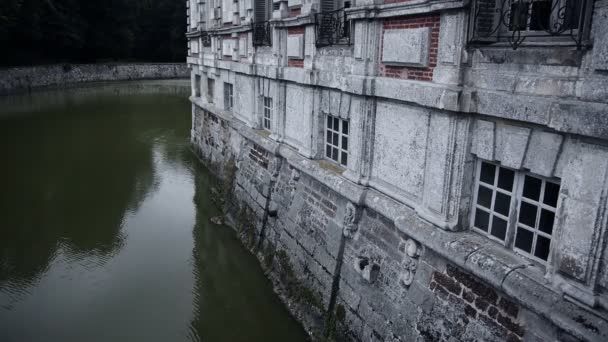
point(26, 78)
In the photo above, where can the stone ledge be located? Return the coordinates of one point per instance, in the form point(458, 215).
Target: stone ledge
point(574, 117)
point(426, 94)
point(403, 8)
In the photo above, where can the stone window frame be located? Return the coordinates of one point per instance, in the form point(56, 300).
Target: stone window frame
point(210, 89)
point(341, 135)
point(513, 226)
point(267, 113)
point(228, 96)
point(197, 85)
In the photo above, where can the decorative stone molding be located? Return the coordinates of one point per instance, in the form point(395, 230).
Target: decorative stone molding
point(407, 47)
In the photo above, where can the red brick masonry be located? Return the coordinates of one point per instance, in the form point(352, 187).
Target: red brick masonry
point(410, 73)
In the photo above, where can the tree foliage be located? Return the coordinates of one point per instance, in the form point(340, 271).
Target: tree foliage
point(87, 31)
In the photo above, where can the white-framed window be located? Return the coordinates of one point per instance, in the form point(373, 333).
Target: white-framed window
point(228, 96)
point(516, 209)
point(267, 119)
point(336, 139)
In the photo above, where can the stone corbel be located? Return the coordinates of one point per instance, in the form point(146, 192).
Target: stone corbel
point(409, 263)
point(350, 222)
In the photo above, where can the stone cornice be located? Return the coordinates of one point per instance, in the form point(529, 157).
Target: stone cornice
point(404, 8)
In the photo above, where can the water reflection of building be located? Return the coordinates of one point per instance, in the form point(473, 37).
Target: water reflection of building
point(456, 150)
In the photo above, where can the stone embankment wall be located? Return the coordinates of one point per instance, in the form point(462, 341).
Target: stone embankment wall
point(25, 78)
point(353, 264)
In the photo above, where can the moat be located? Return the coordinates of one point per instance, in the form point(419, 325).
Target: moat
point(105, 232)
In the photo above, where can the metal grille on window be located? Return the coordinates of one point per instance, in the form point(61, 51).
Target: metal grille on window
point(515, 21)
point(267, 113)
point(228, 96)
point(336, 140)
point(527, 227)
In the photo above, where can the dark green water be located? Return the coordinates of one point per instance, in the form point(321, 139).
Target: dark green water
point(104, 226)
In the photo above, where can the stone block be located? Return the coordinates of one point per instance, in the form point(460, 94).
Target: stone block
point(227, 11)
point(542, 153)
point(227, 47)
point(295, 46)
point(243, 46)
point(511, 145)
point(291, 3)
point(483, 139)
point(600, 44)
point(400, 146)
point(408, 47)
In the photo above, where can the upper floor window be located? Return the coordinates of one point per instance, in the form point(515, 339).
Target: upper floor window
point(516, 209)
point(336, 140)
point(262, 33)
point(267, 119)
point(516, 21)
point(228, 96)
point(333, 26)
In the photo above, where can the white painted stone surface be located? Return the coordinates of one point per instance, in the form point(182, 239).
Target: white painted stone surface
point(291, 3)
point(227, 47)
point(243, 46)
point(408, 47)
point(298, 116)
point(295, 46)
point(227, 12)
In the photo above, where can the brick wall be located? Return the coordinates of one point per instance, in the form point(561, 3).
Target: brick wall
point(479, 302)
point(294, 12)
point(410, 73)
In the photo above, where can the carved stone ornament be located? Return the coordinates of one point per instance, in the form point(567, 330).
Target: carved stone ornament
point(350, 217)
point(410, 263)
point(367, 268)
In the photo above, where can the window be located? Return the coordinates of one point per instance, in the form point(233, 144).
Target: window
point(515, 21)
point(228, 96)
point(262, 31)
point(516, 209)
point(267, 119)
point(197, 85)
point(336, 141)
point(210, 89)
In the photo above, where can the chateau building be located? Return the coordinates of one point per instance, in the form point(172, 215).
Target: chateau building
point(431, 170)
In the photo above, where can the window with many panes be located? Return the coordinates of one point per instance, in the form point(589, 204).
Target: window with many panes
point(336, 140)
point(228, 96)
point(267, 119)
point(210, 89)
point(515, 208)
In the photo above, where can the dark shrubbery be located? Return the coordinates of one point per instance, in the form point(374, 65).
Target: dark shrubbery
point(85, 31)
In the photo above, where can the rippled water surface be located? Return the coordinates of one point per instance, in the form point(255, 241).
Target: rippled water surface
point(104, 226)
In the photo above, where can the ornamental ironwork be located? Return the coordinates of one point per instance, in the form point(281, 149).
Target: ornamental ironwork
point(262, 33)
point(205, 39)
point(516, 21)
point(333, 28)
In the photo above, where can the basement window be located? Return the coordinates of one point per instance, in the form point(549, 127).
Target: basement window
point(336, 140)
point(516, 209)
point(228, 96)
point(267, 119)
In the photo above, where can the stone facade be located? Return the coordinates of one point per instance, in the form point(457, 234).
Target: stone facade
point(375, 232)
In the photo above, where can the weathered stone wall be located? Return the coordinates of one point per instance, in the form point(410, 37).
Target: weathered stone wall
point(385, 247)
point(359, 267)
point(25, 78)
